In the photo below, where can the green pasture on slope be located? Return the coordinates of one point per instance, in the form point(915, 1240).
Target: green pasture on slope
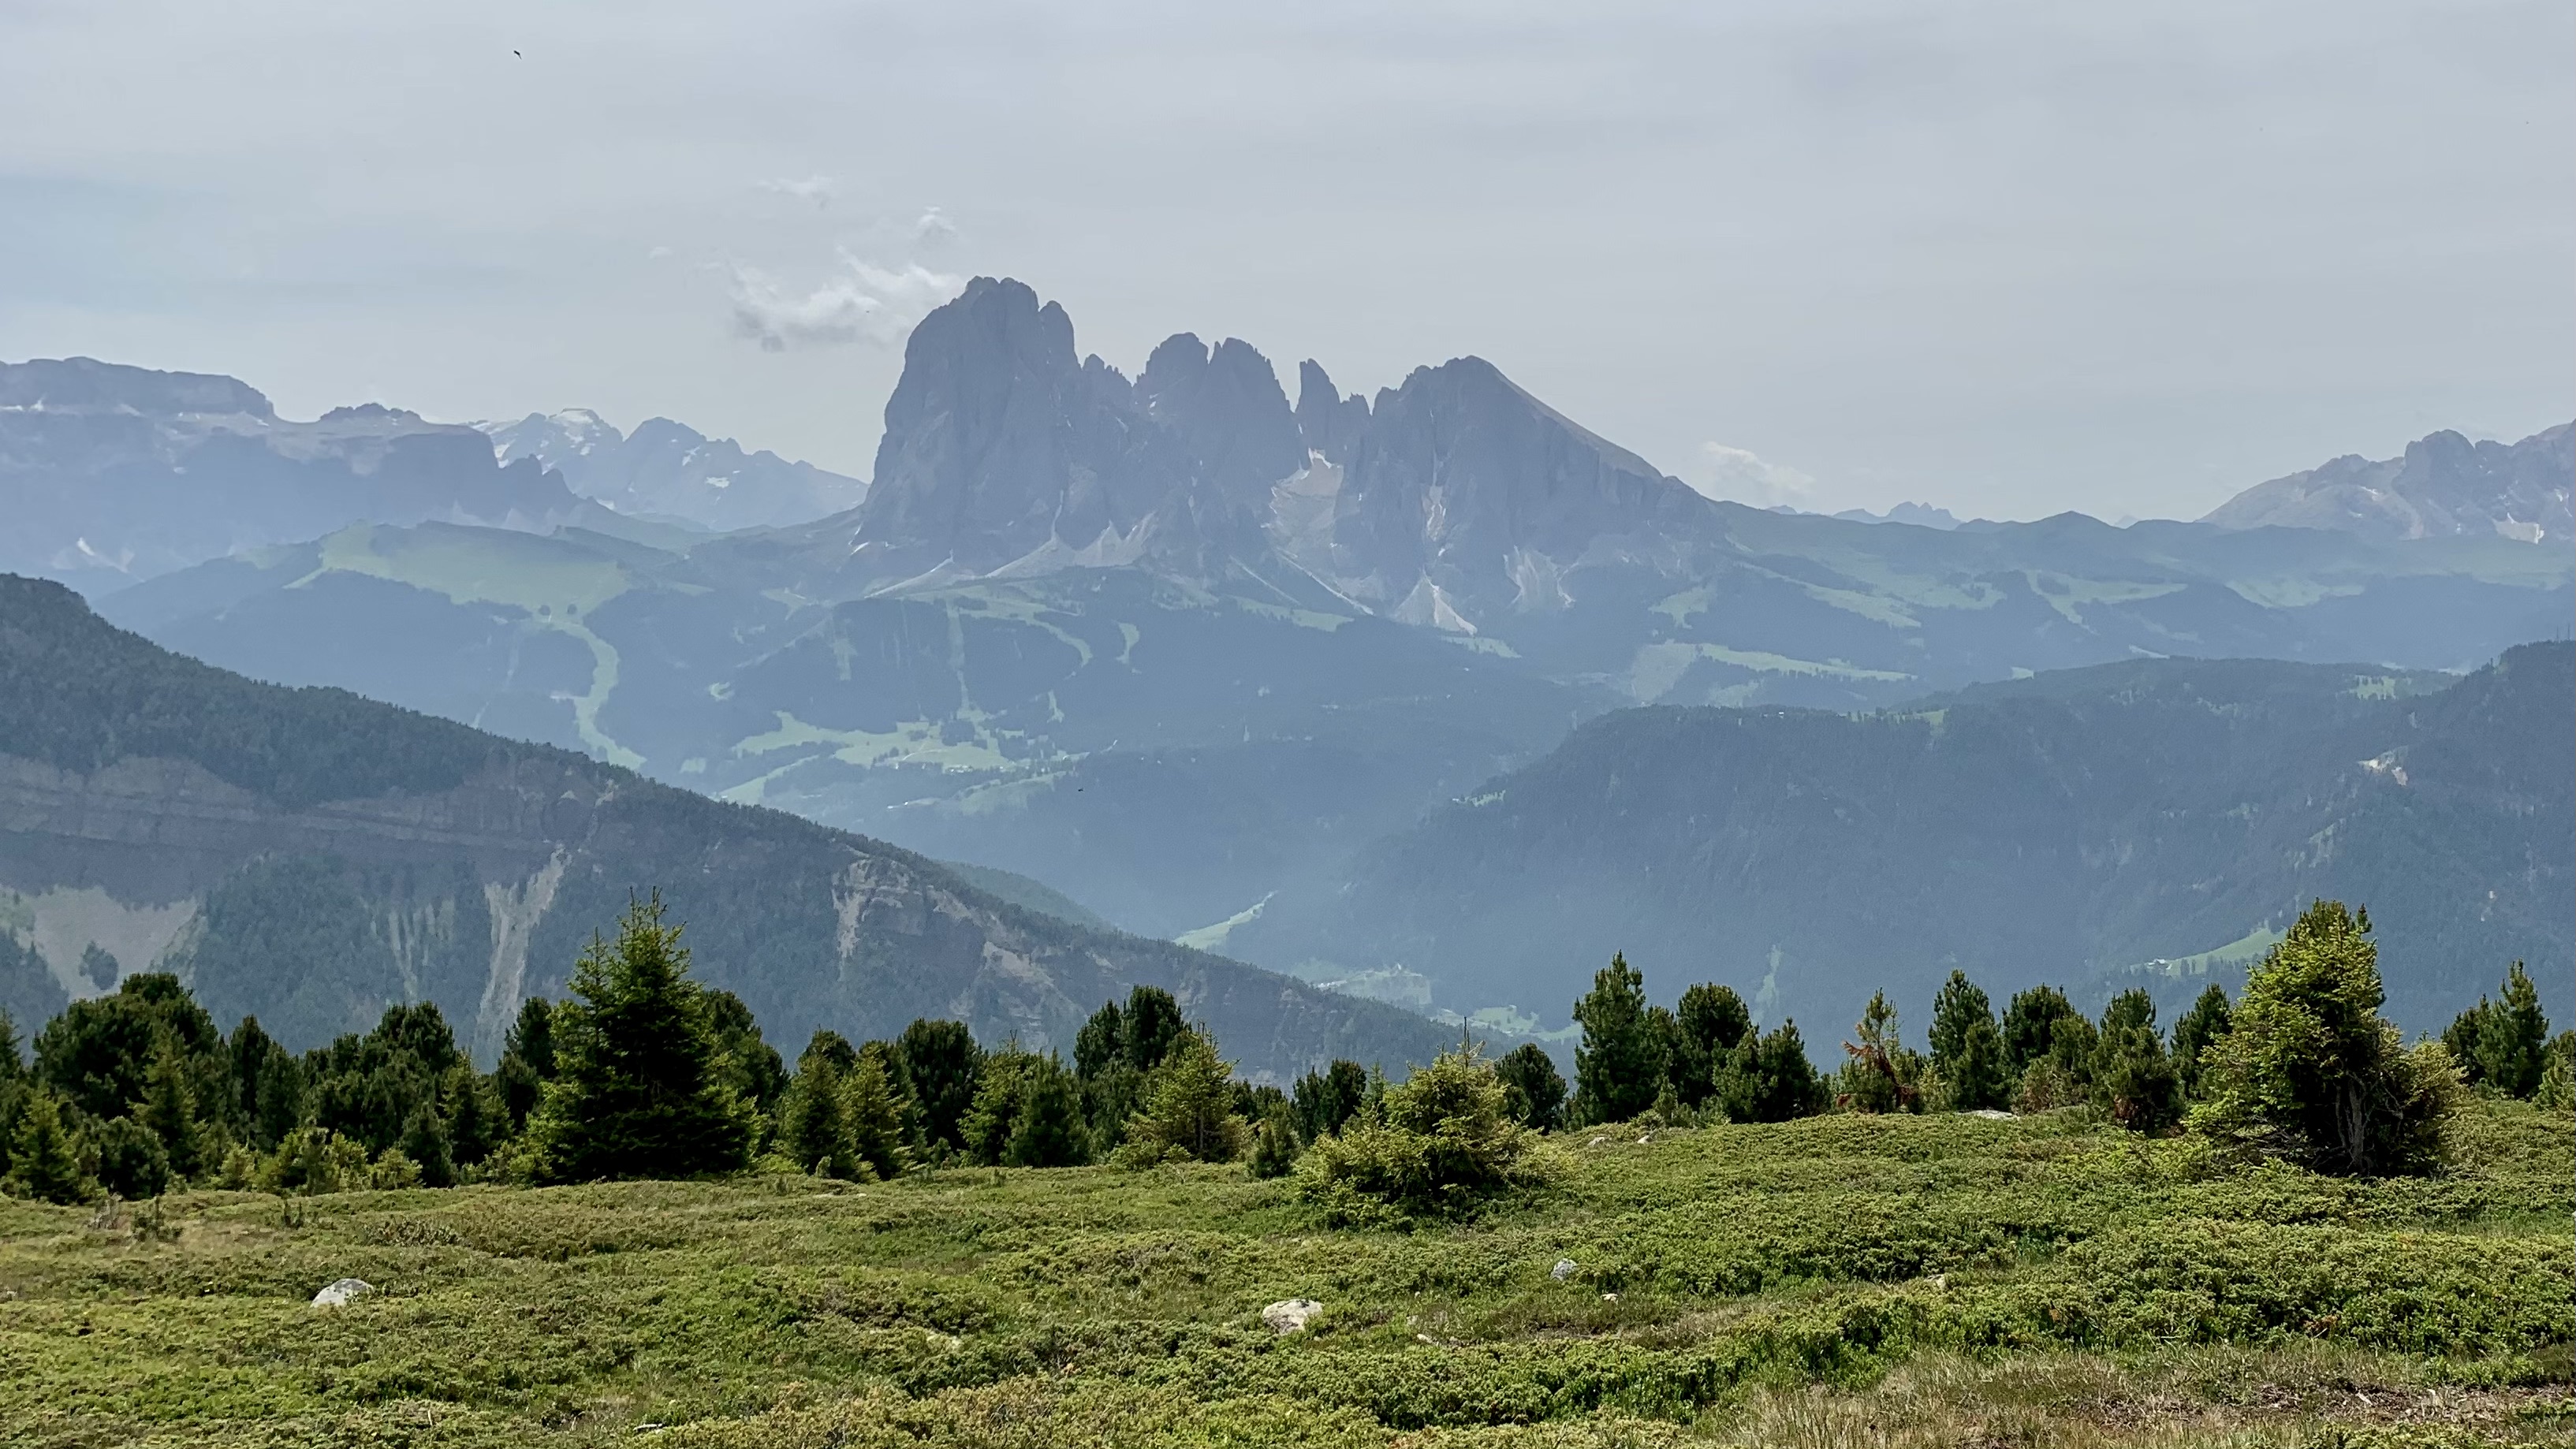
point(1835, 1280)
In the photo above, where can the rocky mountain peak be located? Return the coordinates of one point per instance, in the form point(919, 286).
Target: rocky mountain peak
point(85, 385)
point(2444, 485)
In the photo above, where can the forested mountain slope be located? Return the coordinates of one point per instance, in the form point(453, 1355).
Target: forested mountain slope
point(311, 856)
point(1176, 644)
point(2149, 823)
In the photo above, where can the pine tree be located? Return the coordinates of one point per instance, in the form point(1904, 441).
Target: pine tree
point(2030, 1027)
point(636, 1091)
point(1101, 1042)
point(527, 1061)
point(1189, 1107)
point(281, 1097)
point(1534, 1091)
point(1049, 1130)
point(2503, 1045)
point(1153, 1026)
point(1619, 1068)
point(43, 1162)
point(1777, 1081)
point(939, 1062)
point(132, 1163)
point(1275, 1143)
point(1323, 1101)
point(816, 1132)
point(1976, 1081)
point(473, 1119)
point(1000, 1086)
point(245, 1053)
point(2309, 1071)
point(1879, 1074)
point(169, 1111)
point(877, 1129)
point(426, 1143)
point(1958, 1007)
point(2199, 1030)
point(1708, 1023)
point(2132, 1076)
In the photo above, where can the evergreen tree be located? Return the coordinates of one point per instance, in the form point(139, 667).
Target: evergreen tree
point(281, 1097)
point(246, 1051)
point(1619, 1068)
point(1976, 1081)
point(428, 1147)
point(132, 1163)
point(97, 1052)
point(1958, 1007)
point(750, 1065)
point(2199, 1030)
point(12, 1066)
point(1774, 1081)
point(636, 1091)
point(2310, 1071)
point(1049, 1130)
point(43, 1161)
point(1274, 1143)
point(1001, 1086)
point(1440, 1143)
point(2132, 1076)
point(1879, 1074)
point(169, 1112)
point(1710, 1022)
point(1189, 1108)
point(1534, 1091)
point(816, 1131)
point(531, 1037)
point(876, 1114)
point(474, 1120)
point(1101, 1042)
point(1323, 1101)
point(939, 1061)
point(2503, 1045)
point(2030, 1027)
point(1153, 1026)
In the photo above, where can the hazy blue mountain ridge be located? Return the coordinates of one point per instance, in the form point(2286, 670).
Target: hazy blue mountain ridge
point(311, 857)
point(2153, 823)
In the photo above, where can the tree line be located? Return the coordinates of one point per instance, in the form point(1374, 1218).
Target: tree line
point(639, 1072)
point(2303, 1065)
point(642, 1072)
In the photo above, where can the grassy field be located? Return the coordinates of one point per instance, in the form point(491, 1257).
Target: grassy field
point(1841, 1280)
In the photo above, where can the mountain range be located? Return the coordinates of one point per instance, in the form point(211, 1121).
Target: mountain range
point(2154, 823)
point(111, 473)
point(1189, 650)
point(2443, 487)
point(311, 857)
point(671, 471)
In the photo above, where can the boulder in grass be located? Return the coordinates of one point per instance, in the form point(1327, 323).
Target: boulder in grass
point(1563, 1270)
point(1291, 1315)
point(338, 1294)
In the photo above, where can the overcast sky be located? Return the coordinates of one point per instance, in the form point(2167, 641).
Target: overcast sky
point(2008, 258)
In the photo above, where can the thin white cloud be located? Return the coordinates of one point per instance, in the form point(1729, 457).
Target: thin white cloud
point(861, 302)
point(934, 228)
point(1742, 477)
point(816, 189)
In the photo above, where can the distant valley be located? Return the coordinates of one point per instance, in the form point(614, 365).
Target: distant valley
point(1200, 655)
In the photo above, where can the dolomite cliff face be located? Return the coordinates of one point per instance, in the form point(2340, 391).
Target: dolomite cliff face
point(434, 863)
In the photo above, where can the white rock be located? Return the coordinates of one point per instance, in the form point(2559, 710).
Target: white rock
point(1991, 1115)
point(338, 1294)
point(1563, 1270)
point(1597, 1141)
point(1291, 1315)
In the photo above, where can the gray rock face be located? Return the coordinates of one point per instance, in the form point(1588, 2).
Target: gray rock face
point(111, 473)
point(669, 470)
point(2444, 486)
point(1291, 1315)
point(341, 1293)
